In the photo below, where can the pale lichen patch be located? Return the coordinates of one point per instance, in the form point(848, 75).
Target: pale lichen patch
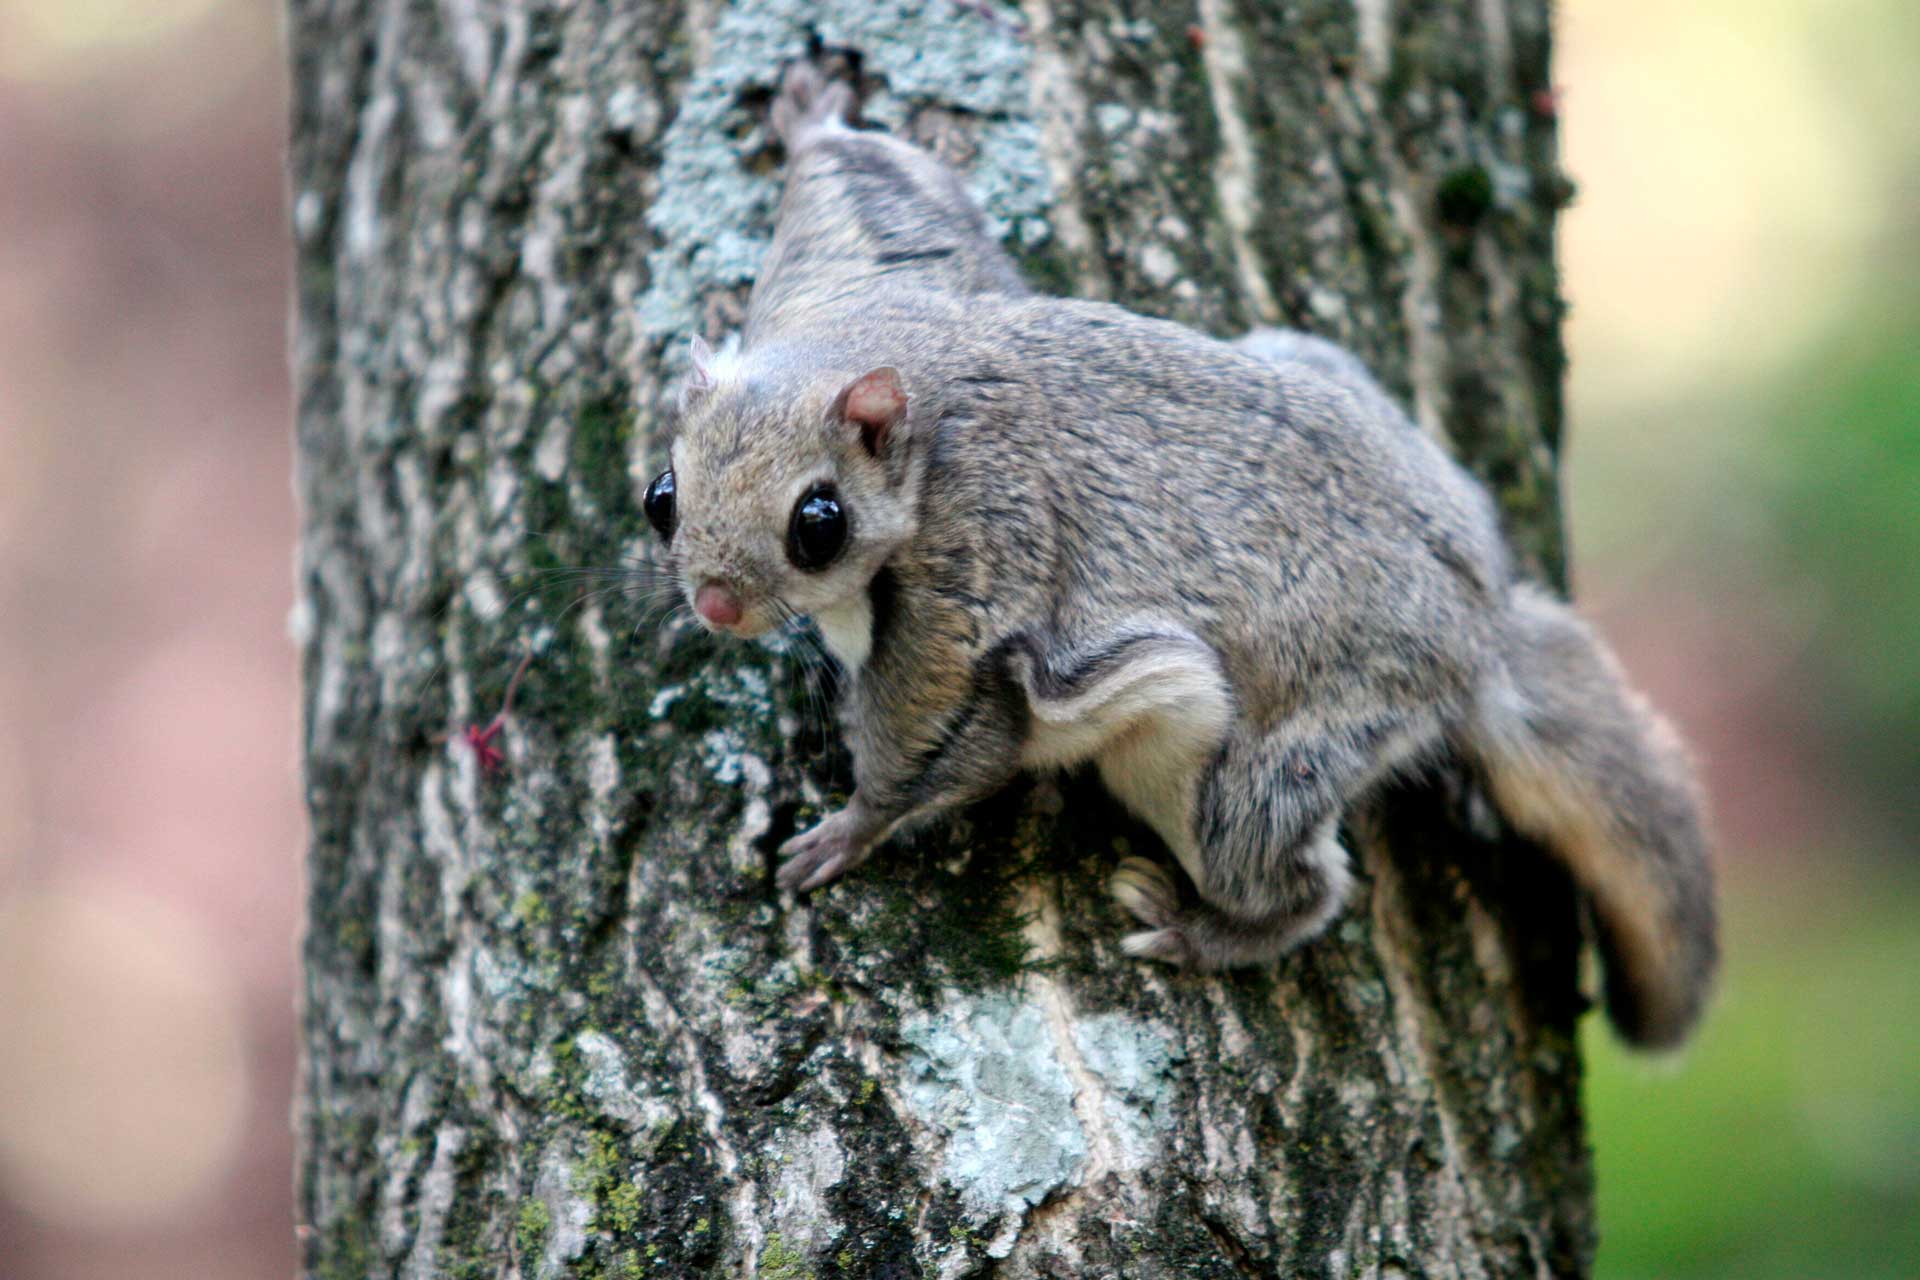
point(550, 455)
point(1158, 264)
point(811, 1163)
point(483, 595)
point(569, 1214)
point(610, 1087)
point(664, 699)
point(503, 487)
point(984, 1071)
point(1136, 1063)
point(1376, 31)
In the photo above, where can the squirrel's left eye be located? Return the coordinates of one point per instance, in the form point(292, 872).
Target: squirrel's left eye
point(819, 529)
point(658, 504)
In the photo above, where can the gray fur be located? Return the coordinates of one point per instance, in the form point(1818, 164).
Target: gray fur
point(1291, 347)
point(1233, 576)
point(864, 211)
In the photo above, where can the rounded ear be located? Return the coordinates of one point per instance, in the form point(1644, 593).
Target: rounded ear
point(700, 381)
point(874, 404)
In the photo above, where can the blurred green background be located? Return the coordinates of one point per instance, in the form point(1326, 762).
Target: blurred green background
point(1744, 267)
point(1744, 477)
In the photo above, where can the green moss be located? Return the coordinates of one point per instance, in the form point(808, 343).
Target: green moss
point(974, 933)
point(598, 1167)
point(354, 936)
point(1464, 197)
point(622, 1211)
point(605, 983)
point(349, 1251)
point(601, 432)
point(1050, 270)
point(316, 276)
point(531, 1232)
point(946, 925)
point(780, 1261)
point(600, 1177)
point(1430, 55)
point(531, 909)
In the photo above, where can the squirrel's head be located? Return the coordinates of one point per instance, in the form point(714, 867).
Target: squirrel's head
point(788, 485)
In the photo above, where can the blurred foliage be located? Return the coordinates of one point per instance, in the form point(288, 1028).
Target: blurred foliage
point(1773, 463)
point(1845, 433)
point(1846, 480)
point(1785, 1143)
point(1745, 272)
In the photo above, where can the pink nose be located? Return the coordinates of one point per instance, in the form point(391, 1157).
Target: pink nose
point(716, 603)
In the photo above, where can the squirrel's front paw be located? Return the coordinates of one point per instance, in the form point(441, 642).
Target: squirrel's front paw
point(820, 855)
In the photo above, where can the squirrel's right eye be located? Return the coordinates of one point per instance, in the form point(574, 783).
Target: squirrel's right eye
point(818, 530)
point(659, 504)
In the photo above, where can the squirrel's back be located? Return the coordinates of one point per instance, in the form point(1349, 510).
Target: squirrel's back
point(1110, 464)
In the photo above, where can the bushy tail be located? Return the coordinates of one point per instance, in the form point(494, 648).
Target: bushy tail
point(1578, 761)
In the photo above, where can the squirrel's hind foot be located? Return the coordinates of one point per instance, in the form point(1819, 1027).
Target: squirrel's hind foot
point(1201, 936)
point(1147, 892)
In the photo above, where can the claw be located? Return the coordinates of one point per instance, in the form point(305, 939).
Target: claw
point(818, 856)
point(829, 871)
point(1146, 891)
point(1166, 945)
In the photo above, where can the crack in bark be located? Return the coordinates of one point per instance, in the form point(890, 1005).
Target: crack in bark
point(1226, 63)
point(1242, 1258)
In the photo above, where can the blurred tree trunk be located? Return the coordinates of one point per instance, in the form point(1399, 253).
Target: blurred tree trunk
point(557, 1021)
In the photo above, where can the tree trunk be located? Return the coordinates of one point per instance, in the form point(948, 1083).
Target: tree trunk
point(557, 1020)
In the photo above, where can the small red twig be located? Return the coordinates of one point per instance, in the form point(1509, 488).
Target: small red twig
point(481, 739)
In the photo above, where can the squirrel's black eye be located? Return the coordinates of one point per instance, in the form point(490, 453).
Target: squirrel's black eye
point(659, 504)
point(819, 529)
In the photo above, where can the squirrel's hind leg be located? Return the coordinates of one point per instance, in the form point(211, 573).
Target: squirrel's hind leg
point(1251, 813)
point(1150, 704)
point(1264, 850)
point(1260, 845)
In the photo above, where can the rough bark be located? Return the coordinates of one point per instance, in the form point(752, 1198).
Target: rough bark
point(557, 1020)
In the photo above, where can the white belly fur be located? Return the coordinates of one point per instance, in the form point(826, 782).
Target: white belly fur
point(848, 631)
point(1151, 726)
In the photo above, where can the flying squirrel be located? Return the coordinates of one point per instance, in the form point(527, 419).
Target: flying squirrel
point(1037, 531)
